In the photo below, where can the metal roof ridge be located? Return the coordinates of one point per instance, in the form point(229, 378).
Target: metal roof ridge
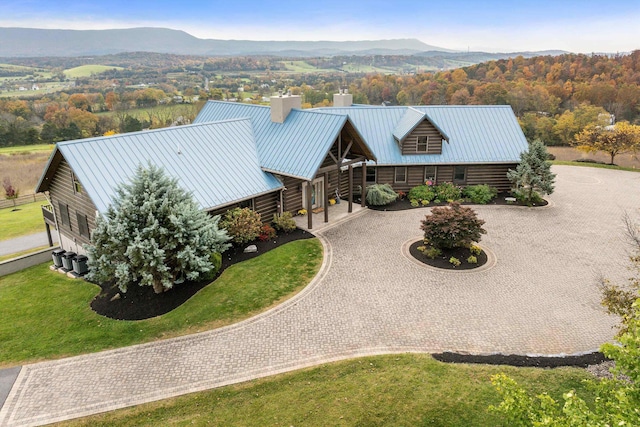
point(147, 132)
point(218, 101)
point(314, 111)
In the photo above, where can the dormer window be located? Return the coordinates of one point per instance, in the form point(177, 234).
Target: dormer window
point(423, 143)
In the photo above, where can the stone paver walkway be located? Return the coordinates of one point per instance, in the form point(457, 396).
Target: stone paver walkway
point(539, 298)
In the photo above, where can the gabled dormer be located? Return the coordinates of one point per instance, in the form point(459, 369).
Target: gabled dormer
point(416, 133)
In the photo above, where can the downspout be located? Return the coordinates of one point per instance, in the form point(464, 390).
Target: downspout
point(281, 210)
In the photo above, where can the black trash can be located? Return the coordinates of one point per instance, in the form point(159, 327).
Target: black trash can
point(80, 265)
point(57, 257)
point(67, 260)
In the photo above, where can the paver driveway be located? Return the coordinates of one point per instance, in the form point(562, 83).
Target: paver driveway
point(539, 298)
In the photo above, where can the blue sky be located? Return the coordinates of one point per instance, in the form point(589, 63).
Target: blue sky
point(577, 26)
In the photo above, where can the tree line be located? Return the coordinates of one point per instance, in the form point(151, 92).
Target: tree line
point(554, 97)
point(79, 115)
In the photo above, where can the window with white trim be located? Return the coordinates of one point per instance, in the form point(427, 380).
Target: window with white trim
point(77, 187)
point(423, 144)
point(371, 176)
point(400, 174)
point(430, 174)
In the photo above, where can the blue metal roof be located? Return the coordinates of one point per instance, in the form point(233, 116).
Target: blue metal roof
point(296, 147)
point(477, 133)
point(216, 162)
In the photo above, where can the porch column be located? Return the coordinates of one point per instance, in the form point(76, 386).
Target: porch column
point(363, 196)
point(326, 197)
point(309, 210)
point(350, 188)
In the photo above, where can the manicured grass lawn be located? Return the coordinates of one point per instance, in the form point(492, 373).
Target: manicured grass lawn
point(594, 165)
point(26, 219)
point(45, 315)
point(394, 390)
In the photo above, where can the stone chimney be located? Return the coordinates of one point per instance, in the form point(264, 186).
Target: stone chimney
point(342, 99)
point(282, 105)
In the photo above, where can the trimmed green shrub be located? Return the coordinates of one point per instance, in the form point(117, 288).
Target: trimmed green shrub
point(529, 198)
point(472, 259)
point(242, 224)
point(414, 203)
point(452, 226)
point(480, 194)
point(455, 261)
point(284, 222)
point(431, 252)
point(475, 249)
point(216, 261)
point(424, 202)
point(447, 191)
point(422, 192)
point(380, 194)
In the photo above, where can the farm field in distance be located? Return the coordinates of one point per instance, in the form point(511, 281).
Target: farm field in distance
point(88, 70)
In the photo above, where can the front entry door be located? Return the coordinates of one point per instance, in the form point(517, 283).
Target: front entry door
point(317, 193)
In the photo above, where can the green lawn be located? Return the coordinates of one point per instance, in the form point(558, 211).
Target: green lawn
point(594, 165)
point(88, 70)
point(25, 219)
point(394, 390)
point(26, 149)
point(45, 315)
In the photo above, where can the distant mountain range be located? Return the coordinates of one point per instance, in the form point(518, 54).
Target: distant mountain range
point(25, 42)
point(31, 42)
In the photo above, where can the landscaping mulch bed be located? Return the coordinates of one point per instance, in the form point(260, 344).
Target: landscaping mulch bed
point(582, 361)
point(140, 302)
point(405, 204)
point(443, 260)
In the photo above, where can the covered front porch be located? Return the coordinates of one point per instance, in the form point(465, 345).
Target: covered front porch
point(335, 213)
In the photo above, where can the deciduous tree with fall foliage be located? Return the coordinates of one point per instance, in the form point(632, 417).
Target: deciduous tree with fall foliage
point(622, 137)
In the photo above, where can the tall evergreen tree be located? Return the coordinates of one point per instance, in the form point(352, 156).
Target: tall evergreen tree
point(533, 175)
point(154, 234)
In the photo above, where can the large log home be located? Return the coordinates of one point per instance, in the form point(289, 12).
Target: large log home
point(282, 158)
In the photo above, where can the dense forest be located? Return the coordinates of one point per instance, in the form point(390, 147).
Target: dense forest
point(554, 97)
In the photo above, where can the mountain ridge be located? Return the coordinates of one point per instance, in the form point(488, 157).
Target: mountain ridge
point(34, 42)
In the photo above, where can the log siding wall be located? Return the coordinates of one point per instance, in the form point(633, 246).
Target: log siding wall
point(410, 144)
point(61, 190)
point(493, 175)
